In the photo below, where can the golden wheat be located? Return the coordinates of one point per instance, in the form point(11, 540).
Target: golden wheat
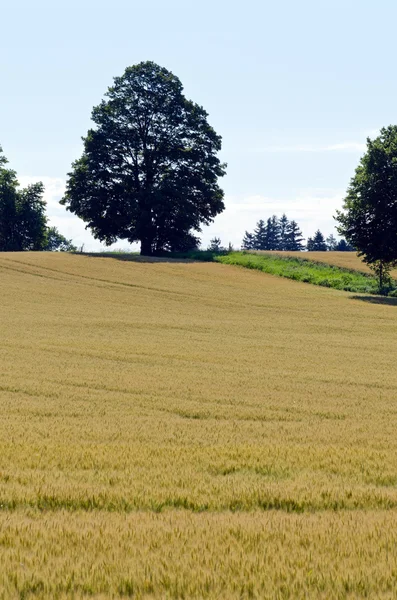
point(180, 430)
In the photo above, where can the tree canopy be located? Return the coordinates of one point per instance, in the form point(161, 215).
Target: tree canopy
point(369, 217)
point(23, 222)
point(149, 171)
point(22, 212)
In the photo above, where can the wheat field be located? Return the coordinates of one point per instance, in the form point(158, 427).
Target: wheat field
point(193, 430)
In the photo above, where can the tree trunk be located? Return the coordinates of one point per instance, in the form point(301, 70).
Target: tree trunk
point(146, 247)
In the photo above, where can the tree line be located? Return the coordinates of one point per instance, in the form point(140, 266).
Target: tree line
point(23, 222)
point(285, 235)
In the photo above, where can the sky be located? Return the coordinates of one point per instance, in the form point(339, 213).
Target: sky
point(293, 87)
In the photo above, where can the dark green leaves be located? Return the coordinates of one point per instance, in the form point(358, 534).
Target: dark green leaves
point(369, 219)
point(22, 213)
point(149, 170)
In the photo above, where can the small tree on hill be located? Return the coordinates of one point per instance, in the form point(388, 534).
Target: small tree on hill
point(294, 240)
point(343, 246)
point(260, 236)
point(283, 231)
point(272, 234)
point(248, 241)
point(331, 243)
point(215, 245)
point(317, 243)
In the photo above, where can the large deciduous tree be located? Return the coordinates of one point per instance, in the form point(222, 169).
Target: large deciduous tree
point(369, 218)
point(149, 171)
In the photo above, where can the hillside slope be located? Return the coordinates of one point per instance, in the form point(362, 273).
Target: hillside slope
point(346, 260)
point(193, 430)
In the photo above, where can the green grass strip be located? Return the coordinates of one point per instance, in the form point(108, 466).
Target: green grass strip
point(304, 270)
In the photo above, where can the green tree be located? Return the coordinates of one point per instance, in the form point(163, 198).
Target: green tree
point(294, 240)
point(272, 234)
point(331, 243)
point(317, 243)
point(215, 245)
point(22, 213)
point(369, 217)
point(343, 246)
point(149, 171)
point(31, 219)
point(283, 232)
point(248, 241)
point(276, 234)
point(260, 236)
point(8, 196)
point(55, 241)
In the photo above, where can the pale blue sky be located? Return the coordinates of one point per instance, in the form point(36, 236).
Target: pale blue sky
point(293, 87)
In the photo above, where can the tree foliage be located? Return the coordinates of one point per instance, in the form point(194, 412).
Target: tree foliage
point(369, 217)
point(294, 240)
point(56, 242)
point(343, 246)
point(316, 243)
point(276, 234)
point(331, 242)
point(215, 245)
point(283, 231)
point(149, 171)
point(248, 241)
point(22, 213)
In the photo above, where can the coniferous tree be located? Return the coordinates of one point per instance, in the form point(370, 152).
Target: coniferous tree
point(272, 234)
point(294, 238)
point(283, 227)
point(260, 239)
point(215, 245)
point(248, 241)
point(331, 242)
point(317, 243)
point(277, 234)
point(343, 246)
